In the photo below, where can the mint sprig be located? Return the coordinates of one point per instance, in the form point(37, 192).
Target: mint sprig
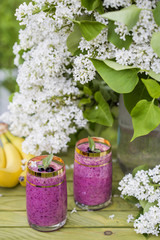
point(46, 161)
point(92, 145)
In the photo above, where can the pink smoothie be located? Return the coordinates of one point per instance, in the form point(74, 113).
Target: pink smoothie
point(47, 201)
point(92, 183)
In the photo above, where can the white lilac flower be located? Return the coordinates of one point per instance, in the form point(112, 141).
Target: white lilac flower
point(121, 30)
point(117, 3)
point(83, 69)
point(148, 222)
point(145, 185)
point(130, 218)
point(74, 210)
point(112, 216)
point(33, 164)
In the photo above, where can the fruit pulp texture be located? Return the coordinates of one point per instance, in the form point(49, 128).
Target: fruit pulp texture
point(46, 206)
point(92, 185)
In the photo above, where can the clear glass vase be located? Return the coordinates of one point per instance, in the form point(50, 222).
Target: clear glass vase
point(143, 150)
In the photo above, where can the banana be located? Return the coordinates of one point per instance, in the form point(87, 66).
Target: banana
point(22, 178)
point(2, 158)
point(17, 142)
point(9, 175)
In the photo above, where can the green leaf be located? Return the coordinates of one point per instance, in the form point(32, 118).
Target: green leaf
point(114, 38)
point(100, 114)
point(100, 8)
point(155, 43)
point(154, 75)
point(47, 160)
point(91, 143)
point(152, 87)
point(84, 101)
point(128, 16)
point(90, 4)
point(143, 203)
point(139, 168)
point(156, 14)
point(40, 166)
point(11, 97)
point(148, 205)
point(123, 81)
point(130, 199)
point(118, 67)
point(90, 29)
point(87, 91)
point(131, 99)
point(145, 117)
point(74, 39)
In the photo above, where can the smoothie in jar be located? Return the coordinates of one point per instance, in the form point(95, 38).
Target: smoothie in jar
point(46, 194)
point(93, 175)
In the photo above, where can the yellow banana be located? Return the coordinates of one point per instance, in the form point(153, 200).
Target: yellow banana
point(17, 142)
point(22, 177)
point(2, 158)
point(9, 175)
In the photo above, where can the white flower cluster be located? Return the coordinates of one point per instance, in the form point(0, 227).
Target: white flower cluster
point(45, 110)
point(145, 187)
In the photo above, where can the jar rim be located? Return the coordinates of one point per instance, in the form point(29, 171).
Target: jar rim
point(96, 140)
point(45, 174)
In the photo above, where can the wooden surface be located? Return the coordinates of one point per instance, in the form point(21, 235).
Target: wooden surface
point(82, 225)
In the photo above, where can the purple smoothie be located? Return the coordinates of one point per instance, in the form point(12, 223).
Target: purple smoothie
point(46, 197)
point(93, 177)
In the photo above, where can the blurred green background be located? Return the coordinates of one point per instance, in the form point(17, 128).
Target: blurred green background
point(9, 28)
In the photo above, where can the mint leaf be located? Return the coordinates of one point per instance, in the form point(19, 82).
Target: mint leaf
point(97, 150)
point(47, 160)
point(40, 166)
point(91, 143)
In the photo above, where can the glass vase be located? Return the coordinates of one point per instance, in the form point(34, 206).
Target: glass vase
point(143, 150)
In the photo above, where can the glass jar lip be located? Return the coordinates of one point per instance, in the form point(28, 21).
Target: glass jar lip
point(96, 140)
point(45, 174)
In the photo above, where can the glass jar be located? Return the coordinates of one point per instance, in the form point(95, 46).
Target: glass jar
point(46, 195)
point(93, 175)
point(143, 150)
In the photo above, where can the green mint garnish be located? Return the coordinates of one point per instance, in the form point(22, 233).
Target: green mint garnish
point(92, 145)
point(40, 166)
point(97, 150)
point(46, 161)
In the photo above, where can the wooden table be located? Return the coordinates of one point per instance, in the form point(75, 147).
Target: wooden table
point(82, 225)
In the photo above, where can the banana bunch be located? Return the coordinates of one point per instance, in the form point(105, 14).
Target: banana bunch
point(11, 158)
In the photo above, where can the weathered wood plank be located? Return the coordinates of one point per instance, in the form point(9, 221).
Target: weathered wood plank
point(78, 219)
point(71, 233)
point(13, 203)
